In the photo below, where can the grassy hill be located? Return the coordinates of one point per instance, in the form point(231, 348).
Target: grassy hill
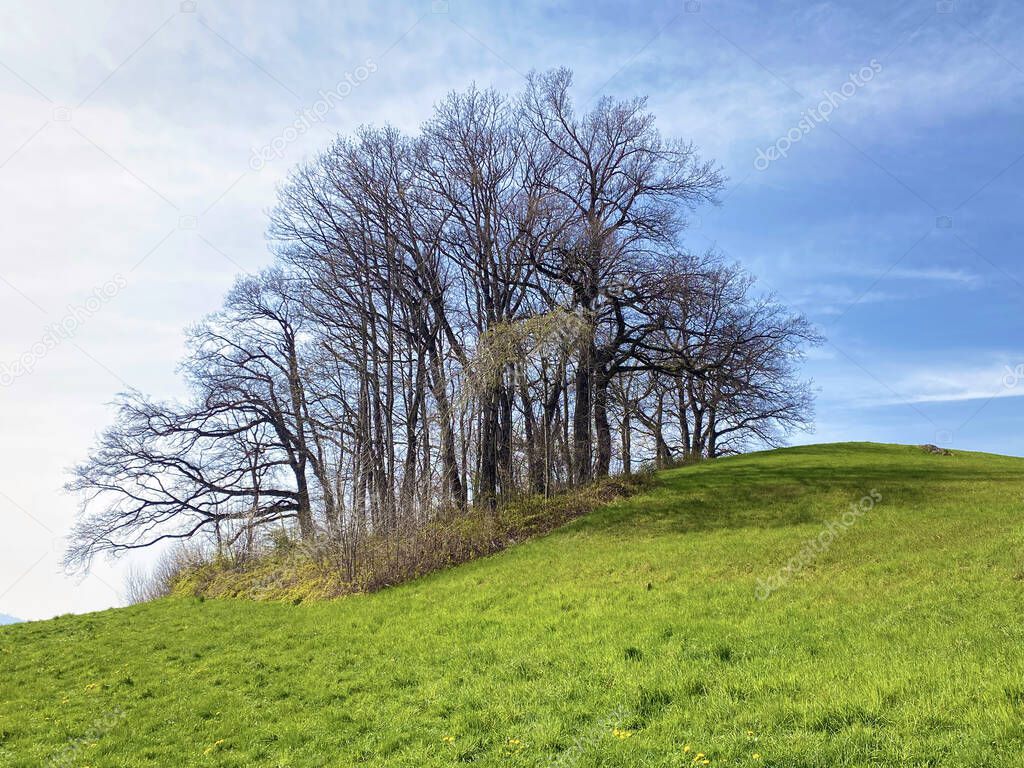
point(640, 635)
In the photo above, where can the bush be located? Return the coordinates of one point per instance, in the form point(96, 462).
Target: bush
point(294, 570)
point(141, 586)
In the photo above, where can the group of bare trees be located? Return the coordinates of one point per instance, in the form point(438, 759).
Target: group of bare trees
point(456, 318)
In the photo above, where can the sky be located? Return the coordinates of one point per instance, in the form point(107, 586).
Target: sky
point(874, 153)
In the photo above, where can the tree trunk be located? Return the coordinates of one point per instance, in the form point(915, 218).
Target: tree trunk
point(305, 512)
point(454, 488)
point(602, 427)
point(684, 419)
point(582, 449)
point(503, 449)
point(663, 455)
point(535, 469)
point(627, 429)
point(487, 493)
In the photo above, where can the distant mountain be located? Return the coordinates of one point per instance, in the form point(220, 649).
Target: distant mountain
point(5, 619)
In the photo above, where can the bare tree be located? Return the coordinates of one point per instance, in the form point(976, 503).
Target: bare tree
point(625, 192)
point(456, 318)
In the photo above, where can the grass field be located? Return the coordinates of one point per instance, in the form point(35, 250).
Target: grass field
point(637, 636)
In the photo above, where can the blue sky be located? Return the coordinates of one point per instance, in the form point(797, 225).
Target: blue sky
point(125, 168)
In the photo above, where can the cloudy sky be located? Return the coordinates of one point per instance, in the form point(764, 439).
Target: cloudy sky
point(874, 151)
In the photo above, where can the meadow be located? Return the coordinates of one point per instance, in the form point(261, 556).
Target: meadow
point(639, 635)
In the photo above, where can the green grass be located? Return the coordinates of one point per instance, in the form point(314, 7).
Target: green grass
point(901, 645)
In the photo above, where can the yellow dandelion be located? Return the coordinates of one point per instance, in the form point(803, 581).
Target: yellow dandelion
point(213, 747)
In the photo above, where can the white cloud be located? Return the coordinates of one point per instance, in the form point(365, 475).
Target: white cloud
point(865, 381)
point(959, 277)
point(1003, 378)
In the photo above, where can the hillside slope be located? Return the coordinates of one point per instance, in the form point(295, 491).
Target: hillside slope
point(640, 635)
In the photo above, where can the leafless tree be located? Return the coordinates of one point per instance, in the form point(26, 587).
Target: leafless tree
point(456, 318)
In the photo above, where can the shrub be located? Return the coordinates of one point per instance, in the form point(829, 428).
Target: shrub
point(328, 566)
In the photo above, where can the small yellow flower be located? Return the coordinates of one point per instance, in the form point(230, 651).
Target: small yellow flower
point(213, 747)
point(686, 749)
point(448, 739)
point(756, 755)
